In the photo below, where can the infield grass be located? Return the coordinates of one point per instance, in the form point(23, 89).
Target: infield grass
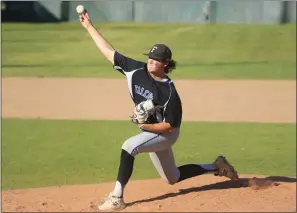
point(37, 153)
point(220, 51)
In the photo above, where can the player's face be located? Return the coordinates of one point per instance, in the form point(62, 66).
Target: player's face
point(155, 65)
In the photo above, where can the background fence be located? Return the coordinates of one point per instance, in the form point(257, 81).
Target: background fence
point(228, 11)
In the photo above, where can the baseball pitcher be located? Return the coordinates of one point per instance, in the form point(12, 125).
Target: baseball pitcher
point(158, 115)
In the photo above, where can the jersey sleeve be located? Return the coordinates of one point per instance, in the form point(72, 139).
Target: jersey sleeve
point(173, 110)
point(125, 64)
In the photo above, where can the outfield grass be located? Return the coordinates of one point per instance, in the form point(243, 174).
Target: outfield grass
point(38, 153)
point(221, 51)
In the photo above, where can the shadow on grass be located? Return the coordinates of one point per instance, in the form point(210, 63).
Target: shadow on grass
point(241, 183)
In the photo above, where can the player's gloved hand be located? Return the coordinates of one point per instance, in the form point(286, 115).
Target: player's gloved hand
point(142, 111)
point(85, 20)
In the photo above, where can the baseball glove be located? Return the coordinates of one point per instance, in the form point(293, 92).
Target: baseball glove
point(143, 111)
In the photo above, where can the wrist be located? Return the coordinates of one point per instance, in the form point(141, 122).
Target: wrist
point(89, 27)
point(144, 126)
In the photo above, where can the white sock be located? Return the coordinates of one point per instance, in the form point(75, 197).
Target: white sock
point(209, 167)
point(118, 189)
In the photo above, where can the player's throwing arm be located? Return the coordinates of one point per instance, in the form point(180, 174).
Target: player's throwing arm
point(106, 48)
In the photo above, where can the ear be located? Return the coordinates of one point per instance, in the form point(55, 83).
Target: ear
point(166, 64)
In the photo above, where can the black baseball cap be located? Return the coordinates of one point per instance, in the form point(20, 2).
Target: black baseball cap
point(160, 52)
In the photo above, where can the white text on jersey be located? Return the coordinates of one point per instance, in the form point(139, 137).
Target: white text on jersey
point(143, 92)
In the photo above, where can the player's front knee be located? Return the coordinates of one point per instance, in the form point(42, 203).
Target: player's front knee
point(129, 147)
point(126, 146)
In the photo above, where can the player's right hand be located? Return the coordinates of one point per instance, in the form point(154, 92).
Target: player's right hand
point(85, 20)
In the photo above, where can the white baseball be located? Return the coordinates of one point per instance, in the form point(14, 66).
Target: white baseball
point(80, 9)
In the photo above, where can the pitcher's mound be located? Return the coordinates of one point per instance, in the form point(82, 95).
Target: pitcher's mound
point(204, 193)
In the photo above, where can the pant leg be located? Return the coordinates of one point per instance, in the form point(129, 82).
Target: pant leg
point(146, 142)
point(164, 163)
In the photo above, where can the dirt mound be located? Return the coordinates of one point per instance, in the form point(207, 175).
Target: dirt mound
point(204, 193)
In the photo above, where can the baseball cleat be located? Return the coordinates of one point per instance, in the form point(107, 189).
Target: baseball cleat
point(112, 203)
point(224, 168)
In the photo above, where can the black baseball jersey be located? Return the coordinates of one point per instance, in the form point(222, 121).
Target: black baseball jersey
point(143, 87)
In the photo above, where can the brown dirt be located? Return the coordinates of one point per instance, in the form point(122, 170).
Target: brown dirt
point(254, 101)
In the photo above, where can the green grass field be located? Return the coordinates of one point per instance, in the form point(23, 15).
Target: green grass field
point(38, 153)
point(221, 51)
